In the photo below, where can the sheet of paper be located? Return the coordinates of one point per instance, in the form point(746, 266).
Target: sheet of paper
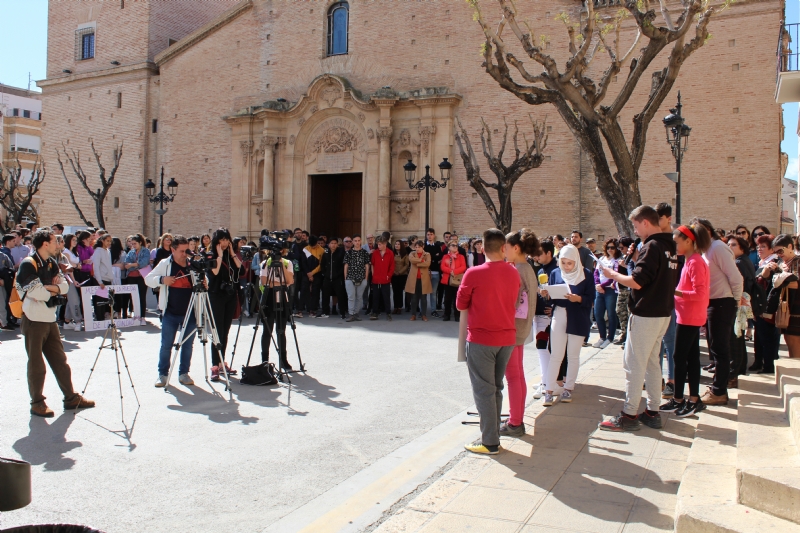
point(557, 292)
point(102, 293)
point(145, 271)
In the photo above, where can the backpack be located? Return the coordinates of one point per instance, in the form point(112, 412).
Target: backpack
point(14, 301)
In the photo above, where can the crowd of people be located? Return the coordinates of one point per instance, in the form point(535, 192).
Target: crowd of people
point(656, 295)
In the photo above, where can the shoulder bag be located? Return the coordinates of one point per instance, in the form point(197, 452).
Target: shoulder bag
point(455, 279)
point(783, 314)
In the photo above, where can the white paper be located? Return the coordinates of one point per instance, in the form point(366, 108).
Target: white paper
point(557, 292)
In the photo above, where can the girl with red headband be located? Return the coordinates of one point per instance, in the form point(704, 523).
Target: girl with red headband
point(691, 302)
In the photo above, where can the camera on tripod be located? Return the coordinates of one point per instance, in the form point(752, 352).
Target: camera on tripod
point(274, 242)
point(248, 252)
point(201, 262)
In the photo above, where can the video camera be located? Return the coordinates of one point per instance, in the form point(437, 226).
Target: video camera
point(274, 242)
point(248, 252)
point(201, 262)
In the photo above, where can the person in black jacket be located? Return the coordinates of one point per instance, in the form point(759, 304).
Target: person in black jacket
point(223, 285)
point(333, 279)
point(300, 300)
point(652, 299)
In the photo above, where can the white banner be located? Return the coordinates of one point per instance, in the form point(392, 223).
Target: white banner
point(92, 323)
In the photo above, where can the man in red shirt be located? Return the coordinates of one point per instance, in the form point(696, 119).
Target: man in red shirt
point(382, 270)
point(490, 293)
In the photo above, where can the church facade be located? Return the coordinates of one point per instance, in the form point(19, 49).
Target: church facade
point(278, 114)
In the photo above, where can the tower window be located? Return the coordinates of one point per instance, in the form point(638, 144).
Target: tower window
point(155, 125)
point(84, 44)
point(338, 16)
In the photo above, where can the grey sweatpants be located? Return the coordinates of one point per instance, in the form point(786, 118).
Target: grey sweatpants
point(641, 361)
point(487, 366)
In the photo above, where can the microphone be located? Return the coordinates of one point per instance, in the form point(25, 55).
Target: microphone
point(543, 279)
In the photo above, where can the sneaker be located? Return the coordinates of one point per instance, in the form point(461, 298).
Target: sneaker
point(621, 422)
point(318, 314)
point(669, 391)
point(358, 318)
point(538, 391)
point(598, 344)
point(478, 447)
point(435, 314)
point(229, 370)
point(351, 318)
point(566, 396)
point(323, 315)
point(79, 402)
point(672, 405)
point(690, 408)
point(389, 317)
point(9, 327)
point(548, 399)
point(185, 380)
point(373, 316)
point(214, 373)
point(654, 421)
point(76, 326)
point(161, 382)
point(709, 398)
point(620, 341)
point(586, 344)
point(507, 430)
point(605, 344)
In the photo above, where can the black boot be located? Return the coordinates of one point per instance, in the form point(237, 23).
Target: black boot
point(285, 364)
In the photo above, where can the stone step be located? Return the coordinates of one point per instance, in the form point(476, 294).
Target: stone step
point(787, 375)
point(767, 462)
point(732, 518)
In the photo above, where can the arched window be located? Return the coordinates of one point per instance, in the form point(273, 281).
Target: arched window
point(337, 29)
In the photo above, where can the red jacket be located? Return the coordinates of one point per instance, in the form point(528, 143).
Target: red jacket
point(382, 267)
point(459, 266)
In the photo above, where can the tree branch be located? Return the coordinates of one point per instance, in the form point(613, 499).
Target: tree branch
point(69, 186)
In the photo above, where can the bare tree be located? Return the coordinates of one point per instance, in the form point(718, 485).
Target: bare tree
point(507, 175)
point(99, 195)
point(16, 193)
point(578, 98)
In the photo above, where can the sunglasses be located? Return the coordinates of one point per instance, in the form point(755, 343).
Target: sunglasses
point(779, 251)
point(759, 234)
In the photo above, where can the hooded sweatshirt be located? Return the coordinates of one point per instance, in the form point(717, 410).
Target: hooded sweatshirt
point(655, 271)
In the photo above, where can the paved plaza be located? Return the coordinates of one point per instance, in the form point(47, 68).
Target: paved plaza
point(369, 440)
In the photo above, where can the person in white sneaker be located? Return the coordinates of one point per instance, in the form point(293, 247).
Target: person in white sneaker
point(171, 276)
point(544, 310)
point(571, 320)
point(605, 302)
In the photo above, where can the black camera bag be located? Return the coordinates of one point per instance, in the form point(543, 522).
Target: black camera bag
point(263, 374)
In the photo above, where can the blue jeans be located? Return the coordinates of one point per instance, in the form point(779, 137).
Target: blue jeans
point(170, 326)
point(668, 345)
point(434, 283)
point(606, 302)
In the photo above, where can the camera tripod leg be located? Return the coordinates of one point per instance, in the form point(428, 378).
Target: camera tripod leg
point(249, 288)
point(127, 369)
point(182, 337)
point(297, 345)
point(210, 325)
point(114, 341)
point(91, 372)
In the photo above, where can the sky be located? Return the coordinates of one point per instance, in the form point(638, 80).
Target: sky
point(23, 50)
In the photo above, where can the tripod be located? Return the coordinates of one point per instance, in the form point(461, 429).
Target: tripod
point(200, 306)
point(115, 343)
point(250, 291)
point(279, 306)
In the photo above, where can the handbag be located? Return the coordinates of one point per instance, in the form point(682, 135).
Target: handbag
point(455, 279)
point(262, 374)
point(782, 315)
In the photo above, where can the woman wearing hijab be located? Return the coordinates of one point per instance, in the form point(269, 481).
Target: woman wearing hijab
point(571, 320)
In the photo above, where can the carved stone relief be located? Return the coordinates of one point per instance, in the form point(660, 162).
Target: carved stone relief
point(314, 108)
point(291, 139)
point(247, 149)
point(330, 94)
point(361, 117)
point(425, 133)
point(348, 105)
point(402, 208)
point(301, 121)
point(370, 134)
point(405, 137)
point(385, 133)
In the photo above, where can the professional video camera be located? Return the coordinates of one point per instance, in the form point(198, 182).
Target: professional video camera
point(201, 262)
point(274, 242)
point(248, 252)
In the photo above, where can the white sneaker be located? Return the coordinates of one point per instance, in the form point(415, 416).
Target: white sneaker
point(605, 343)
point(185, 380)
point(548, 399)
point(598, 344)
point(161, 382)
point(76, 326)
point(538, 391)
point(566, 396)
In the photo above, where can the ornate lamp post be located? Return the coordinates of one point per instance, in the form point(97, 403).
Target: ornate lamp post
point(161, 197)
point(427, 182)
point(678, 140)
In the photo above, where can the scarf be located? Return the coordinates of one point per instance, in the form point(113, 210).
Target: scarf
point(576, 276)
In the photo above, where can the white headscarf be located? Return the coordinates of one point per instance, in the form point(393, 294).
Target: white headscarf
point(576, 276)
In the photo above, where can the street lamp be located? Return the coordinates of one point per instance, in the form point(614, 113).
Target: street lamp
point(161, 197)
point(427, 182)
point(678, 140)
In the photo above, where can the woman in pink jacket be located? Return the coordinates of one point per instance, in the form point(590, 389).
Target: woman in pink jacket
point(453, 264)
point(691, 302)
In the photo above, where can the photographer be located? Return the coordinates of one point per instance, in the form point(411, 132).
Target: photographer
point(41, 288)
point(223, 288)
point(171, 276)
point(271, 315)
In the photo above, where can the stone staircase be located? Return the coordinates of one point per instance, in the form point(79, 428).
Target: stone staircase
point(743, 473)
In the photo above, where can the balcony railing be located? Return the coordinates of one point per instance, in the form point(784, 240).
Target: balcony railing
point(788, 57)
point(608, 3)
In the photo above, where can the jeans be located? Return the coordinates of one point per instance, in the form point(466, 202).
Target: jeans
point(721, 315)
point(487, 366)
point(687, 360)
point(381, 292)
point(355, 295)
point(170, 326)
point(640, 361)
point(606, 302)
point(434, 285)
point(668, 346)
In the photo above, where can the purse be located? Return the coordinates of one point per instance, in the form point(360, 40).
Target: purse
point(262, 374)
point(783, 314)
point(455, 279)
